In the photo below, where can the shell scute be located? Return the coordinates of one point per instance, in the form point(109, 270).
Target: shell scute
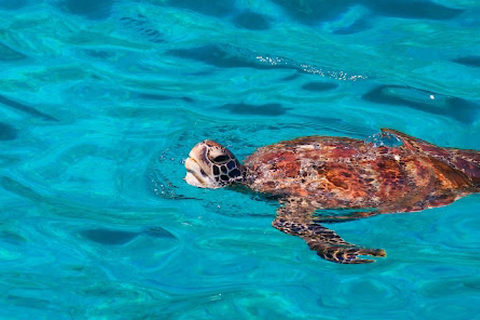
point(347, 173)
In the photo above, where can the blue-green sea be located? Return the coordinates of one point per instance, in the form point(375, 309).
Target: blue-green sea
point(101, 101)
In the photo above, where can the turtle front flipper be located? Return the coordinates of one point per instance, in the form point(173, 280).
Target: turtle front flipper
point(299, 221)
point(347, 254)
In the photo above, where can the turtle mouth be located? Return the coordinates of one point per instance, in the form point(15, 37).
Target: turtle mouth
point(196, 176)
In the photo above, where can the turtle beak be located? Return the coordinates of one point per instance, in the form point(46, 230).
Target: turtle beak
point(199, 168)
point(194, 175)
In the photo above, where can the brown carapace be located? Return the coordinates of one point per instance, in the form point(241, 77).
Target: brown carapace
point(356, 177)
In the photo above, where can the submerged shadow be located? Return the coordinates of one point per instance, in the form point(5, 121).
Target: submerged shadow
point(92, 9)
point(313, 11)
point(268, 109)
point(457, 108)
point(24, 108)
point(469, 61)
point(7, 132)
point(252, 21)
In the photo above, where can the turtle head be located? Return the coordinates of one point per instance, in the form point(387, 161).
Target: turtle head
point(210, 165)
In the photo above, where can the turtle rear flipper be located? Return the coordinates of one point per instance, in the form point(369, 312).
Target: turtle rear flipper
point(462, 166)
point(299, 221)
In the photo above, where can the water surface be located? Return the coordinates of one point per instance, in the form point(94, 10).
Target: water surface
point(101, 101)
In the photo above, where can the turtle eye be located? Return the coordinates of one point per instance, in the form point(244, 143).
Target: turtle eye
point(221, 158)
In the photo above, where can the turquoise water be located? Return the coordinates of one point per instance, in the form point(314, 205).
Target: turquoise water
point(101, 101)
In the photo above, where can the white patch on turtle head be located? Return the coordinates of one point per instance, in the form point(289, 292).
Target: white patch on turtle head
point(212, 166)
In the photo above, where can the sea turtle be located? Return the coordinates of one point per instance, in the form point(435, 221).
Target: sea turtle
point(358, 178)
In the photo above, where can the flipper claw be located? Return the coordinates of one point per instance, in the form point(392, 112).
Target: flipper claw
point(350, 255)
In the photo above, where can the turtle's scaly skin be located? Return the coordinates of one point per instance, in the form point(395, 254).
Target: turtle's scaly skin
point(312, 173)
point(339, 173)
